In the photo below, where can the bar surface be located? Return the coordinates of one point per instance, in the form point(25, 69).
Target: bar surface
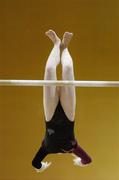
point(5, 82)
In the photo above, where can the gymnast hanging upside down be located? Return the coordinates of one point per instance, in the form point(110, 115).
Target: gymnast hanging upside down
point(59, 108)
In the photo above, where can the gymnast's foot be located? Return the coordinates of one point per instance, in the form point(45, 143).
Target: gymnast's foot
point(66, 39)
point(53, 36)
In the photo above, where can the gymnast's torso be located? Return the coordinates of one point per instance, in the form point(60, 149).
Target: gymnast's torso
point(59, 136)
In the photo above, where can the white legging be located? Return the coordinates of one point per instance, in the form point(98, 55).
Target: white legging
point(52, 94)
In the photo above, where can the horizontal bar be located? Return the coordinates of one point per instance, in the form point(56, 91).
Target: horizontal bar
point(58, 83)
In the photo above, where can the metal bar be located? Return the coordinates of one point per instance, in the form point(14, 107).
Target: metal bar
point(58, 83)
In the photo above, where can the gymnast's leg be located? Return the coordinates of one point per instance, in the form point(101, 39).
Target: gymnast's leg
point(50, 93)
point(67, 94)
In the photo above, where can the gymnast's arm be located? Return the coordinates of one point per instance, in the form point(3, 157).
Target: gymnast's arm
point(37, 161)
point(85, 158)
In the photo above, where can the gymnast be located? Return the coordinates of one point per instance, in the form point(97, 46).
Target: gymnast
point(59, 108)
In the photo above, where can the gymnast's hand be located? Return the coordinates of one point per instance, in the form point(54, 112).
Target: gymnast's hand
point(77, 161)
point(44, 166)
